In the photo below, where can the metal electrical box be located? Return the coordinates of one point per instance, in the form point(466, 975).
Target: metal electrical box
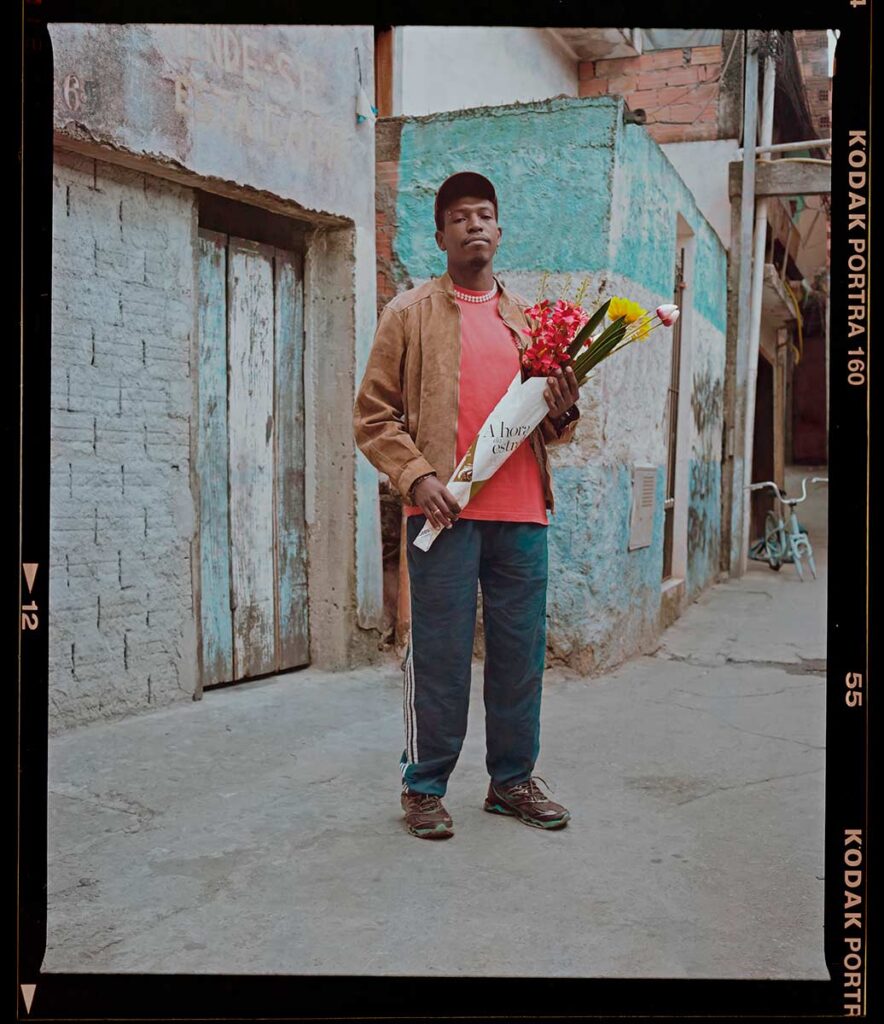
point(644, 493)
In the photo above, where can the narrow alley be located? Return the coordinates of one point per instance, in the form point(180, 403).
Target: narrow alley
point(259, 830)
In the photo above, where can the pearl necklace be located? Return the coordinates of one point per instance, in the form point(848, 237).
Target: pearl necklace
point(477, 298)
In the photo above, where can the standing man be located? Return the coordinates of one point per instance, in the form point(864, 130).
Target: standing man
point(443, 355)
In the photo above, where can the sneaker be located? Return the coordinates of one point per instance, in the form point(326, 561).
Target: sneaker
point(426, 817)
point(526, 801)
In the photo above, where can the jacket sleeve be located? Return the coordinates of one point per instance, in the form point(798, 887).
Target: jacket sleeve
point(550, 434)
point(378, 412)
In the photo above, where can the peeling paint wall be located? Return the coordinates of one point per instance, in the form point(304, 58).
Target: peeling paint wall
point(147, 115)
point(268, 107)
point(651, 195)
point(122, 629)
point(604, 600)
point(582, 194)
point(704, 509)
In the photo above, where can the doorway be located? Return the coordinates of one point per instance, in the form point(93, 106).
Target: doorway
point(250, 446)
point(672, 417)
point(763, 501)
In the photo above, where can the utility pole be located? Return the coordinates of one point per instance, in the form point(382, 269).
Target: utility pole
point(769, 49)
point(744, 265)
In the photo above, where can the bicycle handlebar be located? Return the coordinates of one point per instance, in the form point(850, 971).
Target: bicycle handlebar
point(779, 494)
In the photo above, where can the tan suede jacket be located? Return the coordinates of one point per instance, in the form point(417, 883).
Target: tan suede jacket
point(405, 414)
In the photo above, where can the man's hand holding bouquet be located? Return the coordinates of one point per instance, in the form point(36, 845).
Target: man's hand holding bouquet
point(567, 343)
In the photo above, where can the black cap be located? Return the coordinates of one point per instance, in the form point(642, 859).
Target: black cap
point(464, 183)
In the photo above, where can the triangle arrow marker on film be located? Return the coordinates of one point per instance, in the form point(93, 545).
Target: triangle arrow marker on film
point(30, 569)
point(28, 990)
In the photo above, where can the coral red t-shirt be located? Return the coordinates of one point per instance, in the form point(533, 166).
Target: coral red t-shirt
point(489, 360)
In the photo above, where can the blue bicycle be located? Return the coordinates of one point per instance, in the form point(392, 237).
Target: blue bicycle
point(782, 543)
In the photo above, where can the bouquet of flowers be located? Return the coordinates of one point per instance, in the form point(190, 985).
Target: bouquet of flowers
point(562, 334)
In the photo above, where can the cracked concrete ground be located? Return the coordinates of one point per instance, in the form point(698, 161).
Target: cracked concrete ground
point(259, 830)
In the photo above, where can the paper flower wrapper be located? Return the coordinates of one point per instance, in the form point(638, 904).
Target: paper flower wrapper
point(563, 334)
point(509, 423)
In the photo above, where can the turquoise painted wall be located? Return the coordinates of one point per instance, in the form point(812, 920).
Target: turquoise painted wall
point(552, 164)
point(580, 192)
point(704, 508)
point(603, 597)
point(704, 524)
point(648, 196)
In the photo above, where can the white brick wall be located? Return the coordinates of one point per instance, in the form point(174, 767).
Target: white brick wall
point(122, 631)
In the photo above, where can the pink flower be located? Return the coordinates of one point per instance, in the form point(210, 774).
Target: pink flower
point(668, 314)
point(554, 328)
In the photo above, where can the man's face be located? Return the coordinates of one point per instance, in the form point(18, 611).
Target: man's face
point(470, 233)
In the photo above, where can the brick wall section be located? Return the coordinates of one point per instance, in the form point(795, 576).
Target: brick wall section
point(813, 56)
point(677, 89)
point(386, 184)
point(391, 275)
point(121, 624)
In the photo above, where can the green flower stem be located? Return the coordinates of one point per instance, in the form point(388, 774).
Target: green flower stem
point(599, 351)
point(582, 366)
point(654, 322)
point(610, 344)
point(586, 330)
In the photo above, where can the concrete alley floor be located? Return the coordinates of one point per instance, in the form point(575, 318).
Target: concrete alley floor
point(259, 830)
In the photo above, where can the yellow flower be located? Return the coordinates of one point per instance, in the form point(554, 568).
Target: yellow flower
point(634, 312)
point(625, 308)
point(617, 308)
point(643, 330)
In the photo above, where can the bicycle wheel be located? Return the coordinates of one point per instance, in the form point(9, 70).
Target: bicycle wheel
point(773, 541)
point(808, 550)
point(796, 561)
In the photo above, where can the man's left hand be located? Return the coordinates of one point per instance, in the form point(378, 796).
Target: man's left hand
point(561, 391)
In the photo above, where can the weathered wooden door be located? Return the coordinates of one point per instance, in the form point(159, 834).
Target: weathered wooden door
point(250, 459)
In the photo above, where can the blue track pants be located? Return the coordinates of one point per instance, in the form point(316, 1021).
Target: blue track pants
point(509, 561)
